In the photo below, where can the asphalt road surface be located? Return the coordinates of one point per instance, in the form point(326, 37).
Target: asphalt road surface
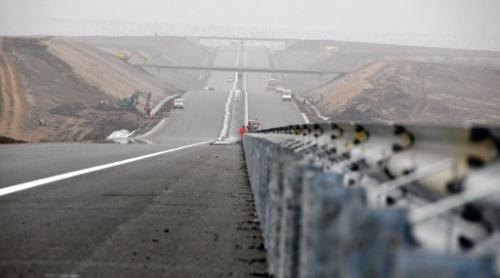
point(203, 113)
point(181, 213)
point(267, 105)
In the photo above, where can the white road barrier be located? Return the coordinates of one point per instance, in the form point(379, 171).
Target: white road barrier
point(227, 116)
point(228, 108)
point(153, 130)
point(245, 61)
point(160, 104)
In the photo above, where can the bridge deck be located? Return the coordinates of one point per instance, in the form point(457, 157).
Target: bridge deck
point(240, 69)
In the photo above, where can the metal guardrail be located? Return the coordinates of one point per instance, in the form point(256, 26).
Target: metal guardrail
point(375, 200)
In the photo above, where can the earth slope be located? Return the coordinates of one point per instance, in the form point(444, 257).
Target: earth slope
point(56, 90)
point(413, 91)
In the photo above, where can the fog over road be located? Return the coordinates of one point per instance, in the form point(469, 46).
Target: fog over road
point(185, 213)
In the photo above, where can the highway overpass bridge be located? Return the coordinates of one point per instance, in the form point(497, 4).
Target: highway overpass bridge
point(242, 69)
point(245, 38)
point(286, 41)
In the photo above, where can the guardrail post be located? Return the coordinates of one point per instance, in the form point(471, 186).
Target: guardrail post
point(289, 244)
point(369, 239)
point(323, 200)
point(275, 208)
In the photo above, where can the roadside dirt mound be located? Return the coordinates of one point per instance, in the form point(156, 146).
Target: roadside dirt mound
point(346, 56)
point(11, 106)
point(157, 50)
point(413, 91)
point(7, 140)
point(44, 99)
point(110, 75)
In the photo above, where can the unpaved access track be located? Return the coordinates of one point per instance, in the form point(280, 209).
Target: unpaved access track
point(11, 112)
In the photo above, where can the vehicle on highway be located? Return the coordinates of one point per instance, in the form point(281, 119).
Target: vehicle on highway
point(279, 89)
point(253, 125)
point(178, 103)
point(286, 96)
point(272, 83)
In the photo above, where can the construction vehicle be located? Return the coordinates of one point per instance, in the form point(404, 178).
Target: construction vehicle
point(131, 101)
point(43, 122)
point(124, 56)
point(285, 96)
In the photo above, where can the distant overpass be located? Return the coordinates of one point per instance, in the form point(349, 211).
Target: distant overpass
point(242, 69)
point(231, 38)
point(286, 41)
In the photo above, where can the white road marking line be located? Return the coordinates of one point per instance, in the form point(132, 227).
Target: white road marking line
point(245, 120)
point(224, 133)
point(304, 116)
point(31, 184)
point(227, 116)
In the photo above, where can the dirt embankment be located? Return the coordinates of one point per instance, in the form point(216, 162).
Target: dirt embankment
point(351, 56)
point(63, 92)
point(158, 50)
point(112, 76)
point(413, 91)
point(11, 106)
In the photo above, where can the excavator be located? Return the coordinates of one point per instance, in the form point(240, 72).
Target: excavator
point(124, 56)
point(131, 101)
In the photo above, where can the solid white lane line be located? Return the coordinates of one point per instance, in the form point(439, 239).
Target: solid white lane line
point(43, 181)
point(227, 116)
point(245, 118)
point(304, 116)
point(224, 133)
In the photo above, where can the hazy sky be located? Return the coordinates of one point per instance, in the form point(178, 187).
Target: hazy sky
point(456, 17)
